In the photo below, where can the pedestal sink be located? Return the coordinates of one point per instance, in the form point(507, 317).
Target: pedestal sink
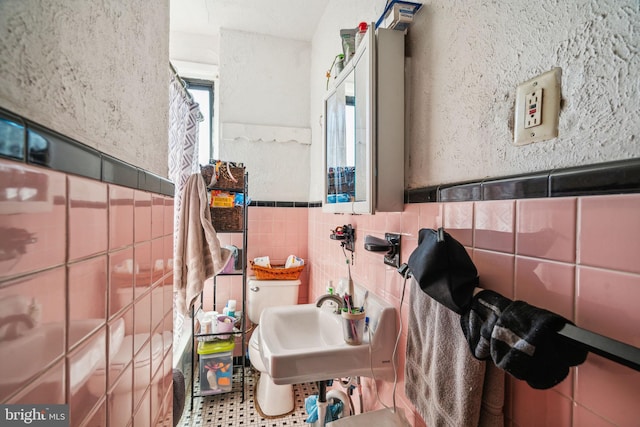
point(305, 343)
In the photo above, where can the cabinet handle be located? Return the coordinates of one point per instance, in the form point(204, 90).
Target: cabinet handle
point(254, 289)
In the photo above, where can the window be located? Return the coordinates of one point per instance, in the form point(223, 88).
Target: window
point(202, 93)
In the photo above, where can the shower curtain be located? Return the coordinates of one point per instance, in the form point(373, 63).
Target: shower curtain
point(183, 158)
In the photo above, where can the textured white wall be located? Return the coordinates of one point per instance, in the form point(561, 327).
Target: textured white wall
point(95, 71)
point(464, 61)
point(264, 80)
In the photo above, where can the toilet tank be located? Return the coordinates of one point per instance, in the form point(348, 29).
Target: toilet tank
point(269, 293)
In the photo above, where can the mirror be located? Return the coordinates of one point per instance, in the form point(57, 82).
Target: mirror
point(348, 138)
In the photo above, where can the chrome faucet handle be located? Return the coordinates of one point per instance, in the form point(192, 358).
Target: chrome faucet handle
point(333, 297)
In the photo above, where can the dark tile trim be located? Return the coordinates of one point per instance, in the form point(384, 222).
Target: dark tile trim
point(604, 178)
point(284, 204)
point(115, 171)
point(619, 177)
point(263, 204)
point(421, 195)
point(516, 187)
point(460, 192)
point(167, 187)
point(47, 148)
point(56, 151)
point(148, 181)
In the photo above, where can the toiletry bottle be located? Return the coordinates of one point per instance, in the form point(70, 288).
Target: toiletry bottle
point(231, 305)
point(362, 30)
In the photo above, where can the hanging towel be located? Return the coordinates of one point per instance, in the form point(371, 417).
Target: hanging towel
point(198, 254)
point(442, 379)
point(520, 338)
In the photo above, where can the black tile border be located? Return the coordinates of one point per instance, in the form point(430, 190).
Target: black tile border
point(284, 204)
point(421, 195)
point(62, 154)
point(460, 192)
point(67, 155)
point(115, 171)
point(604, 178)
point(617, 177)
point(517, 187)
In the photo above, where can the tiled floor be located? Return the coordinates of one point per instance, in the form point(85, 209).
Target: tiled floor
point(228, 410)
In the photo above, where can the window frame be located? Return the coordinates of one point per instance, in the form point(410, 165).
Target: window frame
point(209, 86)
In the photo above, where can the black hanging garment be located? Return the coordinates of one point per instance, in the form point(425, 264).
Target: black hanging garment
point(520, 338)
point(443, 269)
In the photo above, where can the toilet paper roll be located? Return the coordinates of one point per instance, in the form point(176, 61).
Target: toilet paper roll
point(262, 261)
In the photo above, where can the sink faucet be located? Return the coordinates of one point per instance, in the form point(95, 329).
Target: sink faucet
point(322, 298)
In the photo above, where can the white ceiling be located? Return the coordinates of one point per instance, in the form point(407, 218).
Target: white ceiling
point(293, 19)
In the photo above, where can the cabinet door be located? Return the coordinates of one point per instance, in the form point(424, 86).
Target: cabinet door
point(349, 136)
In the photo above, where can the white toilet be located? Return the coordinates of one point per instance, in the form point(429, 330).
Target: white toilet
point(271, 399)
point(151, 353)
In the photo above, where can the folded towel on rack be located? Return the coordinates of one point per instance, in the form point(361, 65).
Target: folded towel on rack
point(520, 338)
point(198, 254)
point(446, 384)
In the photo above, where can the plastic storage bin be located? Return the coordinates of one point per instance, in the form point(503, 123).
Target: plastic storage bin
point(216, 366)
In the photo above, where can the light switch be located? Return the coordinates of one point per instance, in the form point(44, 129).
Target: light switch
point(537, 108)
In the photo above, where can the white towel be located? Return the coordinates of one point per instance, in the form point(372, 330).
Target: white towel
point(198, 254)
point(442, 379)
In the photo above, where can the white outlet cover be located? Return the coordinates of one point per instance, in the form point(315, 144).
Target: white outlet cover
point(549, 82)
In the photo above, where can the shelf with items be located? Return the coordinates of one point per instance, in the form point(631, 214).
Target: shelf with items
point(214, 348)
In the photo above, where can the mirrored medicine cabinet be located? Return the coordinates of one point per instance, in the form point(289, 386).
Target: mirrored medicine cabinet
point(364, 129)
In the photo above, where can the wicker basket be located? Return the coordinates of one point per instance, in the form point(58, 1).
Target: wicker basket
point(276, 272)
point(227, 219)
point(224, 179)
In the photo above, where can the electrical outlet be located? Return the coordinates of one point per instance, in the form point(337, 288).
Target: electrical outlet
point(534, 109)
point(537, 108)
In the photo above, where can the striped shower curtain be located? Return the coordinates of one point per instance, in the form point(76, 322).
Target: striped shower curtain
point(183, 158)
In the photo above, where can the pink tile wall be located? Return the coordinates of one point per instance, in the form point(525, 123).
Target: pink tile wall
point(72, 256)
point(273, 232)
point(574, 256)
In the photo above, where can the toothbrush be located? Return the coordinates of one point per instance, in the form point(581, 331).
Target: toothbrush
point(364, 300)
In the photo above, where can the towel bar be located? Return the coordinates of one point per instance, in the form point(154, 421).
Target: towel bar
point(606, 347)
point(611, 349)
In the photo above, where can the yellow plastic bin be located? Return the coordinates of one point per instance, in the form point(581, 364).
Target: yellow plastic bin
point(216, 366)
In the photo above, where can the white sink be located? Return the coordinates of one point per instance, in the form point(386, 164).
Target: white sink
point(29, 354)
point(305, 343)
